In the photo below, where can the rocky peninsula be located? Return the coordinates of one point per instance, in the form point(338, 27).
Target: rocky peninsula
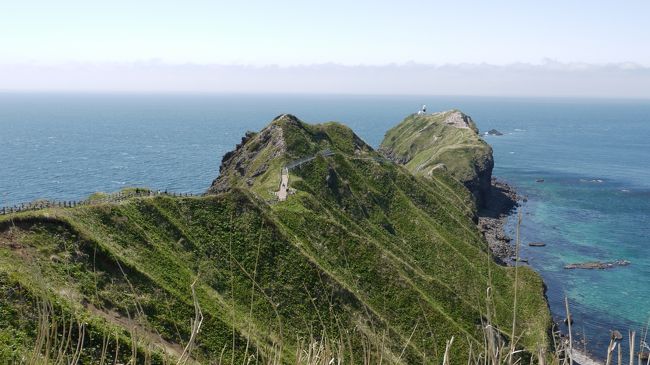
point(450, 141)
point(363, 252)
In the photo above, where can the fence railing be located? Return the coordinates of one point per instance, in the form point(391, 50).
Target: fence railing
point(109, 198)
point(299, 162)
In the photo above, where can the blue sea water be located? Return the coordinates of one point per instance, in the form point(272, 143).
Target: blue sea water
point(594, 203)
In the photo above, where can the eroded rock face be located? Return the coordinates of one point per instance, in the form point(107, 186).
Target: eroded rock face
point(447, 141)
point(480, 184)
point(493, 132)
point(257, 161)
point(246, 161)
point(597, 265)
point(458, 119)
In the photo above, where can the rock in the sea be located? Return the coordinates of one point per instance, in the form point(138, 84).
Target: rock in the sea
point(597, 265)
point(539, 180)
point(493, 132)
point(616, 335)
point(537, 244)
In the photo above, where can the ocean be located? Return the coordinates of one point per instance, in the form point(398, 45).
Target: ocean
point(593, 203)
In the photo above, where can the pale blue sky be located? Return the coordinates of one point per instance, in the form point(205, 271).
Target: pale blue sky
point(346, 32)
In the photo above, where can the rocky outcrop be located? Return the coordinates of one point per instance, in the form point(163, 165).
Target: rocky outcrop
point(447, 141)
point(597, 265)
point(479, 184)
point(492, 219)
point(257, 161)
point(493, 132)
point(247, 161)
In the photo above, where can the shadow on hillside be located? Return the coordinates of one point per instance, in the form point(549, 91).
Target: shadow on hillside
point(501, 202)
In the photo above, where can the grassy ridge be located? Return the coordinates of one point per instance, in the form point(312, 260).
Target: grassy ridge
point(424, 141)
point(162, 244)
point(379, 262)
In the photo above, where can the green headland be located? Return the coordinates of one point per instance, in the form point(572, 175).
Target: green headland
point(425, 143)
point(365, 261)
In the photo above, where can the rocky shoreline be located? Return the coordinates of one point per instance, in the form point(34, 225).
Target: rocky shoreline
point(501, 202)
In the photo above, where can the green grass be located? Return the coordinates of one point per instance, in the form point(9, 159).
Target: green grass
point(257, 164)
point(365, 257)
point(425, 141)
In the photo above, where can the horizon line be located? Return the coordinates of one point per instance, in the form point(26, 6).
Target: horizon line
point(154, 61)
point(549, 79)
point(91, 92)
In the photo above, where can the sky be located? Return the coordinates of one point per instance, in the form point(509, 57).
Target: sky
point(68, 44)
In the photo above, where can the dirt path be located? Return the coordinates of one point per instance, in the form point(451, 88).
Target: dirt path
point(284, 185)
point(284, 181)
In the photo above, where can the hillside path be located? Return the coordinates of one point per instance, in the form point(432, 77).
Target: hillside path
point(284, 185)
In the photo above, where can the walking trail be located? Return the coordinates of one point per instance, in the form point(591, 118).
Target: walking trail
point(284, 185)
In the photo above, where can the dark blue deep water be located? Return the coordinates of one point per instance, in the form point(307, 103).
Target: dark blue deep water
point(594, 203)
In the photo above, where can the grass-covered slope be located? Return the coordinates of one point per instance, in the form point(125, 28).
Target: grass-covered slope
point(365, 259)
point(447, 141)
point(256, 162)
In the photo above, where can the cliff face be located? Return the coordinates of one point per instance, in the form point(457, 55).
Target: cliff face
point(449, 141)
point(250, 159)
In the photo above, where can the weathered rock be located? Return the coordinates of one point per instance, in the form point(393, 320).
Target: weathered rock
point(332, 180)
point(242, 164)
point(257, 161)
point(597, 265)
point(537, 244)
point(493, 132)
point(616, 335)
point(492, 219)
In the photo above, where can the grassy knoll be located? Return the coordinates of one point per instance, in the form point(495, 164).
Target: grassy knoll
point(446, 141)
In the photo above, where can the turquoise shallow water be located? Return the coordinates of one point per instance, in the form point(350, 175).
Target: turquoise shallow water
point(594, 203)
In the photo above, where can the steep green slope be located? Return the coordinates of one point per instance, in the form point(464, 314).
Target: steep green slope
point(364, 256)
point(256, 162)
point(446, 140)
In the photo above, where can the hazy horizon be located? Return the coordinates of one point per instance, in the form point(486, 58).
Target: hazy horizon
point(505, 48)
point(548, 79)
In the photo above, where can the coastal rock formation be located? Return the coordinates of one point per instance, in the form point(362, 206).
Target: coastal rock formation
point(536, 244)
point(449, 141)
point(503, 199)
point(256, 162)
point(364, 253)
point(493, 132)
point(250, 158)
point(597, 265)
